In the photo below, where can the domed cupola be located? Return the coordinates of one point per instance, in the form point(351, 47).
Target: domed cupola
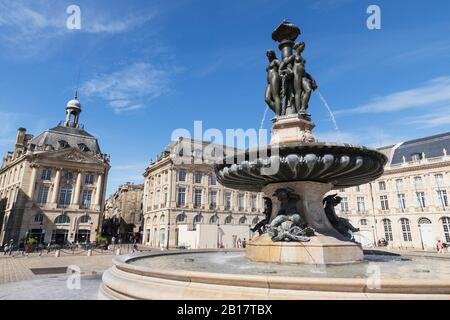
point(73, 108)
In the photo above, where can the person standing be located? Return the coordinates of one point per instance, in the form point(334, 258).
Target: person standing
point(239, 243)
point(440, 246)
point(244, 243)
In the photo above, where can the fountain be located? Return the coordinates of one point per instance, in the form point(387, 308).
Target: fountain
point(303, 250)
point(298, 228)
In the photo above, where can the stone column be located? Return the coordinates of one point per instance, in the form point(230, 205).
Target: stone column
point(32, 182)
point(98, 192)
point(56, 188)
point(76, 196)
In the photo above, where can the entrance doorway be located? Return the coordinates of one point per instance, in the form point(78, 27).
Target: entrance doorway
point(59, 236)
point(83, 236)
point(426, 233)
point(37, 234)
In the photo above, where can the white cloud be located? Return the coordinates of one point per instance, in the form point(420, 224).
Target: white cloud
point(437, 118)
point(432, 92)
point(130, 87)
point(28, 28)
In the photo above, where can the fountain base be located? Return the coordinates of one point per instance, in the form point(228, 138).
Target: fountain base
point(323, 250)
point(292, 128)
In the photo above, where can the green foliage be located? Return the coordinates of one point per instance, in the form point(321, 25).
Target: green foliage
point(32, 241)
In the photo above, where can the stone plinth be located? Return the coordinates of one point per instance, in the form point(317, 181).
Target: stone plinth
point(320, 249)
point(292, 128)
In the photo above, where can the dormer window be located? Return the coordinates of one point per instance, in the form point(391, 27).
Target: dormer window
point(83, 147)
point(63, 144)
point(416, 157)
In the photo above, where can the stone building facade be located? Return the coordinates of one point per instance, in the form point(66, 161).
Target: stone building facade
point(408, 205)
point(181, 192)
point(52, 186)
point(125, 205)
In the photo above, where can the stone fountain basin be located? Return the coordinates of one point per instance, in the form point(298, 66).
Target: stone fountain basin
point(342, 165)
point(131, 279)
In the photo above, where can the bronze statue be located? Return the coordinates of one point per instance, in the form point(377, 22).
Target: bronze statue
point(272, 95)
point(342, 225)
point(261, 225)
point(289, 85)
point(288, 225)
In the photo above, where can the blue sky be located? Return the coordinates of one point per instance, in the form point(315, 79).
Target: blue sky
point(149, 67)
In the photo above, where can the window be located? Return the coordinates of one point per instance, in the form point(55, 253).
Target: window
point(85, 219)
point(86, 199)
point(182, 175)
point(344, 204)
point(399, 184)
point(198, 177)
point(212, 199)
point(68, 175)
point(198, 219)
point(416, 157)
point(342, 190)
point(197, 198)
point(382, 185)
point(418, 182)
point(89, 179)
point(83, 147)
point(227, 200)
point(363, 222)
point(241, 198)
point(62, 219)
point(214, 219)
point(446, 227)
point(358, 188)
point(255, 220)
point(166, 196)
point(439, 180)
point(229, 219)
point(442, 195)
point(65, 195)
point(253, 202)
point(38, 217)
point(361, 204)
point(63, 144)
point(401, 201)
point(181, 217)
point(388, 230)
point(243, 220)
point(46, 174)
point(384, 203)
point(421, 199)
point(212, 180)
point(42, 195)
point(181, 197)
point(406, 230)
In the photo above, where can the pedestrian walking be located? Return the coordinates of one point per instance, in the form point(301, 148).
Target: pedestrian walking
point(440, 246)
point(244, 243)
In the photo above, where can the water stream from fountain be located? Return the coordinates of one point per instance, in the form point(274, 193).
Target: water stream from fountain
point(333, 118)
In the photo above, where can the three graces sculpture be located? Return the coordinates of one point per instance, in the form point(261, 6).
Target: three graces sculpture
point(289, 86)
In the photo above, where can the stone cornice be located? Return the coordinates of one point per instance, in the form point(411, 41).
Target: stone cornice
point(412, 168)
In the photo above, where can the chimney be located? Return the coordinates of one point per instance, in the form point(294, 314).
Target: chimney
point(20, 137)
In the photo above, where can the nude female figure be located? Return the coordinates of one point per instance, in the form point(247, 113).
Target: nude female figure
point(272, 95)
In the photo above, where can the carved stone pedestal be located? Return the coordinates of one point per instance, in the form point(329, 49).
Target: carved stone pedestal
point(319, 250)
point(292, 128)
point(327, 246)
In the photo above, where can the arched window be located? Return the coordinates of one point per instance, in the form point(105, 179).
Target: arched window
point(214, 219)
point(406, 229)
point(39, 217)
point(162, 218)
point(85, 219)
point(83, 147)
point(155, 220)
point(63, 144)
point(424, 221)
point(446, 227)
point(181, 217)
point(255, 220)
point(387, 225)
point(62, 219)
point(229, 219)
point(363, 222)
point(198, 219)
point(243, 220)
